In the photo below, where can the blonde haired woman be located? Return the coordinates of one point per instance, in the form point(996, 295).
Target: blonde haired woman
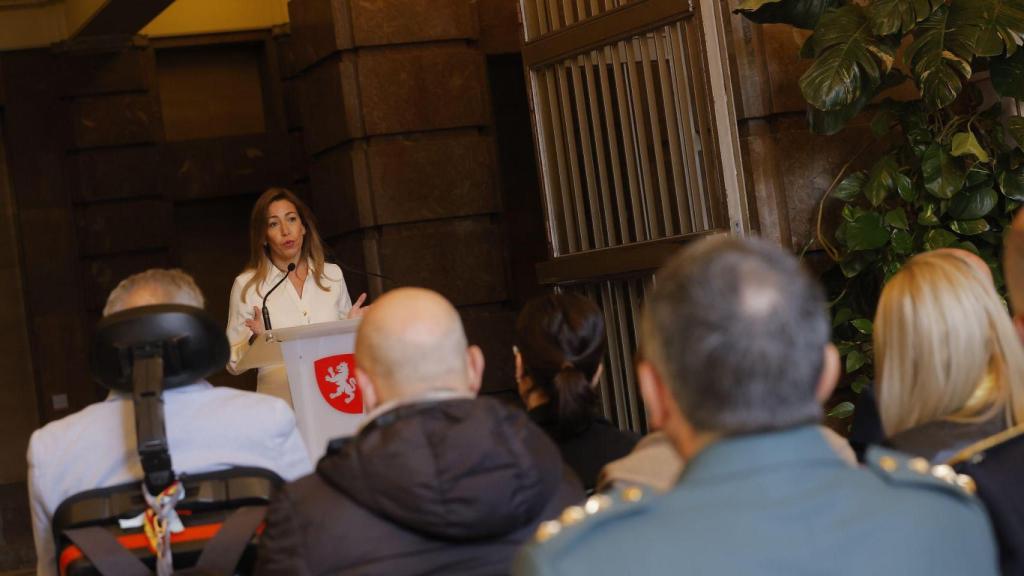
point(950, 366)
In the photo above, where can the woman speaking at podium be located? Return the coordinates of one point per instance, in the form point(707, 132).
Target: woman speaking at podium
point(287, 277)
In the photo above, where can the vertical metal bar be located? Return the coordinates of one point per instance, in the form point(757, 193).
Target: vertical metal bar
point(574, 169)
point(567, 11)
point(614, 323)
point(613, 145)
point(639, 126)
point(635, 402)
point(628, 146)
point(625, 345)
point(654, 114)
point(540, 16)
point(588, 153)
point(571, 235)
point(708, 157)
point(546, 144)
point(602, 159)
point(673, 129)
point(688, 130)
point(553, 15)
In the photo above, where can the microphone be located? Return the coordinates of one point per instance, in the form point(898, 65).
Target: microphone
point(266, 311)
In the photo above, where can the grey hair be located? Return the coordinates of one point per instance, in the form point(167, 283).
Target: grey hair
point(738, 329)
point(173, 285)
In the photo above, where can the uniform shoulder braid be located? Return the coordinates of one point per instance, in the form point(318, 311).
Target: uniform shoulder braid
point(597, 509)
point(898, 468)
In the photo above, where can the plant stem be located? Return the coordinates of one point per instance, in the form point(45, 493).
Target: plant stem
point(831, 250)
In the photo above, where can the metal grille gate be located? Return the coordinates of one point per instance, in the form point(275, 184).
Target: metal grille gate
point(629, 154)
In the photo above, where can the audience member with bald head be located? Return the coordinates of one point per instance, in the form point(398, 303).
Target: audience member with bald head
point(410, 344)
point(437, 480)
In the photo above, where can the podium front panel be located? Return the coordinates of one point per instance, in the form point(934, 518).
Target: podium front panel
point(322, 377)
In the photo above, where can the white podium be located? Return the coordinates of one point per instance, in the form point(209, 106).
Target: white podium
point(321, 367)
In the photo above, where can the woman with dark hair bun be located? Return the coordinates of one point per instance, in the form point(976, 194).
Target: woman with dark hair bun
point(560, 343)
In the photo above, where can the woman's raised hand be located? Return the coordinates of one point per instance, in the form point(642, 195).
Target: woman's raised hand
point(358, 309)
point(255, 324)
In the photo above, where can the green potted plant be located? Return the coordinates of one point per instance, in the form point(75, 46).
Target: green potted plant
point(951, 167)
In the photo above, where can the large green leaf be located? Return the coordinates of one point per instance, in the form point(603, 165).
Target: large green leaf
point(849, 58)
point(897, 218)
point(965, 143)
point(970, 227)
point(1001, 25)
point(867, 232)
point(939, 238)
point(940, 56)
point(943, 176)
point(892, 16)
point(974, 203)
point(799, 13)
point(1011, 183)
point(1008, 76)
point(850, 187)
point(881, 180)
point(903, 242)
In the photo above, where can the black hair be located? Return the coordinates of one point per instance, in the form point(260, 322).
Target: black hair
point(561, 340)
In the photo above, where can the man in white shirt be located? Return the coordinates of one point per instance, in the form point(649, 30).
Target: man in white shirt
point(207, 428)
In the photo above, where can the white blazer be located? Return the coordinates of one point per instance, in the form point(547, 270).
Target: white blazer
point(287, 309)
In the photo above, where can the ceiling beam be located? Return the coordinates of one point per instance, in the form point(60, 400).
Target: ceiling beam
point(122, 18)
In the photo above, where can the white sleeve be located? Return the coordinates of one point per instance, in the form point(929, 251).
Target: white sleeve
point(238, 333)
point(46, 554)
point(291, 460)
point(344, 299)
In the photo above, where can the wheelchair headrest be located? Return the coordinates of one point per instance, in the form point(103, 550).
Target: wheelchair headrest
point(193, 346)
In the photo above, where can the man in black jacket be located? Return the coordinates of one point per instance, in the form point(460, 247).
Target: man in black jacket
point(437, 481)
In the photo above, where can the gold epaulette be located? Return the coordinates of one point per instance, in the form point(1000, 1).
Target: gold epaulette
point(985, 444)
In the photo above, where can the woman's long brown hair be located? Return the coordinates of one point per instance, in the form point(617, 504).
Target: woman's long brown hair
point(259, 255)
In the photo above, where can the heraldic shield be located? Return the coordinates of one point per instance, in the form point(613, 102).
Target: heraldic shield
point(336, 378)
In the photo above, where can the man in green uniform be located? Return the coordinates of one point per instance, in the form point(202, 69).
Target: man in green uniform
point(737, 362)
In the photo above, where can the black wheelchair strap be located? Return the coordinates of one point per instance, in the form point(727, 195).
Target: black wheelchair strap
point(106, 553)
point(222, 553)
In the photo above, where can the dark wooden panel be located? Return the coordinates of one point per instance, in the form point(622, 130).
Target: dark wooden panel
point(499, 27)
point(377, 23)
point(442, 86)
point(431, 176)
point(108, 173)
point(255, 163)
point(212, 244)
point(319, 28)
point(211, 91)
point(101, 275)
point(292, 94)
point(492, 328)
point(340, 189)
point(114, 227)
point(224, 166)
point(330, 107)
point(461, 258)
point(115, 120)
point(126, 70)
point(299, 160)
point(193, 169)
point(60, 349)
